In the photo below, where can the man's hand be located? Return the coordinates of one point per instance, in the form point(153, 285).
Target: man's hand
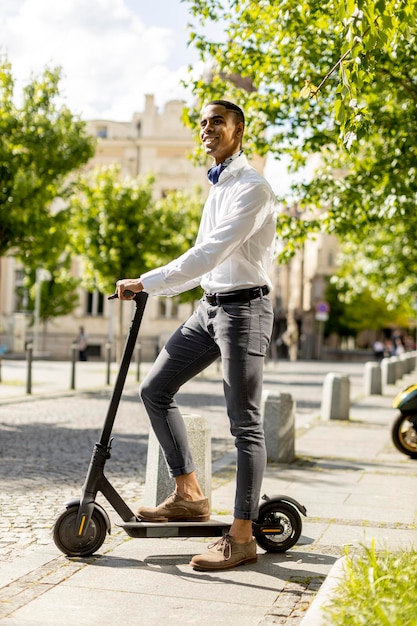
point(132, 284)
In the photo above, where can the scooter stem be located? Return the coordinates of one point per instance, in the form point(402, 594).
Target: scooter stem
point(140, 301)
point(95, 479)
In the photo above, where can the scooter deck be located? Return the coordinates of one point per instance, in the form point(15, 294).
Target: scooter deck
point(212, 528)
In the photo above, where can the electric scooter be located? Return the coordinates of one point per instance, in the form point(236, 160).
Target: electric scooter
point(404, 428)
point(80, 530)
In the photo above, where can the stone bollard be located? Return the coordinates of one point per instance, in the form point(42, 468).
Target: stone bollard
point(398, 367)
point(29, 361)
point(388, 371)
point(278, 413)
point(410, 362)
point(159, 483)
point(74, 352)
point(138, 361)
point(335, 404)
point(406, 362)
point(372, 379)
point(108, 362)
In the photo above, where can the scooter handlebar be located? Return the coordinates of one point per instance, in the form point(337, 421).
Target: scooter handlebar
point(127, 292)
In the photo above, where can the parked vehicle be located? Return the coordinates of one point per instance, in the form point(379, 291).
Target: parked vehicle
point(404, 428)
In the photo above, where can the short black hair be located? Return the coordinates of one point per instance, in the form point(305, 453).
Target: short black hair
point(230, 106)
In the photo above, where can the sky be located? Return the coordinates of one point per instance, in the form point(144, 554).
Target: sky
point(112, 53)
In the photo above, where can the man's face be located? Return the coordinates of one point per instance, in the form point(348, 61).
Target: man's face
point(220, 132)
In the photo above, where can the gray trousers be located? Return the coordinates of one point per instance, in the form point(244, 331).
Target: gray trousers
point(240, 334)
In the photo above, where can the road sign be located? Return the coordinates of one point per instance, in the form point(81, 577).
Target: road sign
point(322, 311)
point(322, 307)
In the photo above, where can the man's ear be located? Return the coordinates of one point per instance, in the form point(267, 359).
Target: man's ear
point(239, 129)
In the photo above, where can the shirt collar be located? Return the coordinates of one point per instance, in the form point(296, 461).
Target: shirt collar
point(215, 171)
point(229, 159)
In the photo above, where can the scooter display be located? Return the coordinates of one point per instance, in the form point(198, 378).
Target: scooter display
point(81, 529)
point(404, 427)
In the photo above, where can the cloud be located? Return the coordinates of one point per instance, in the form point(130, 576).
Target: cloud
point(109, 58)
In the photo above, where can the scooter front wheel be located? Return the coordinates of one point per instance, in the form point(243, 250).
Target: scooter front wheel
point(66, 539)
point(278, 527)
point(404, 434)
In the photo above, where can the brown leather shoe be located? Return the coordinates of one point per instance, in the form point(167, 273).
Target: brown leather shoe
point(224, 554)
point(176, 509)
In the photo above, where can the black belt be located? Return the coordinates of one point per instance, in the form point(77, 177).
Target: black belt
point(241, 295)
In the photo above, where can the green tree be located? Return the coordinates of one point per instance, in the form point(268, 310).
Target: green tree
point(335, 78)
point(352, 313)
point(120, 231)
point(179, 214)
point(387, 263)
point(41, 143)
point(270, 49)
point(53, 254)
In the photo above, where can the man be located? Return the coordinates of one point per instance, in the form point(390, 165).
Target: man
point(82, 344)
point(230, 259)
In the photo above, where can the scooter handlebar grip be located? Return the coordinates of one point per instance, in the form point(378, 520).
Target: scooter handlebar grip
point(127, 292)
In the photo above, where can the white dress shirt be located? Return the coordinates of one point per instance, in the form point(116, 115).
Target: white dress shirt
point(234, 248)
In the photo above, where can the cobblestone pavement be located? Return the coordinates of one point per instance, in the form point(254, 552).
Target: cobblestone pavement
point(45, 448)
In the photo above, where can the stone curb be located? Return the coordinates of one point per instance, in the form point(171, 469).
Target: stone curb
point(315, 615)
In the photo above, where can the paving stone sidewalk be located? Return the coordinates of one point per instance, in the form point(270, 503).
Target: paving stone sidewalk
point(355, 486)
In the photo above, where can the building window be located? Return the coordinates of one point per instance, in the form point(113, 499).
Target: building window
point(21, 294)
point(318, 288)
point(168, 308)
point(101, 132)
point(95, 303)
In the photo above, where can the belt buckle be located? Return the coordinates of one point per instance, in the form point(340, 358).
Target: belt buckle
point(212, 299)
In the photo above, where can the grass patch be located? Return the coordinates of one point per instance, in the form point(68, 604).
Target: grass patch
point(377, 589)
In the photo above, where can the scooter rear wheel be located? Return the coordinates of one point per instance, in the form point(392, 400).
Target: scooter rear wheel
point(66, 539)
point(404, 434)
point(279, 527)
